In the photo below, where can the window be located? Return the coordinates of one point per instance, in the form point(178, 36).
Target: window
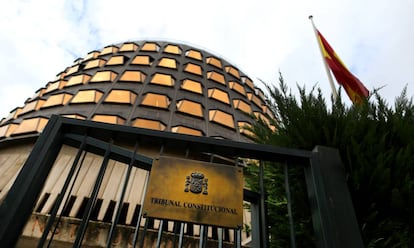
point(168, 63)
point(260, 93)
point(75, 116)
point(112, 119)
point(193, 54)
point(72, 70)
point(128, 47)
point(222, 118)
point(87, 96)
point(265, 119)
point(52, 86)
point(217, 77)
point(91, 55)
point(55, 100)
point(244, 128)
point(219, 95)
point(190, 107)
point(248, 82)
point(150, 47)
point(109, 50)
point(132, 76)
point(262, 117)
point(172, 49)
point(142, 60)
point(267, 111)
point(78, 79)
point(32, 106)
point(121, 96)
point(156, 100)
point(237, 87)
point(186, 130)
point(94, 64)
point(116, 60)
point(103, 76)
point(162, 79)
point(6, 130)
point(32, 125)
point(214, 62)
point(233, 71)
point(255, 99)
point(192, 86)
point(242, 105)
point(149, 124)
point(194, 69)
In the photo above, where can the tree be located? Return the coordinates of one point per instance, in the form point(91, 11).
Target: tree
point(376, 144)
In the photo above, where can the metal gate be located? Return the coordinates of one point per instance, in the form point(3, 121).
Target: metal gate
point(332, 212)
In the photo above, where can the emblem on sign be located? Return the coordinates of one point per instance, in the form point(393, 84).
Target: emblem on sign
point(196, 183)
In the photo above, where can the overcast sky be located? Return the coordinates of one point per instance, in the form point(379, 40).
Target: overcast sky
point(374, 38)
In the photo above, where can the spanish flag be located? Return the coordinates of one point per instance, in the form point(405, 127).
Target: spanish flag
point(353, 87)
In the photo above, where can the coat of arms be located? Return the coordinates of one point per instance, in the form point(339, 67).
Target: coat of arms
point(196, 183)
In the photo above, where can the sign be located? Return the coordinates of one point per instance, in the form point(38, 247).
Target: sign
point(194, 191)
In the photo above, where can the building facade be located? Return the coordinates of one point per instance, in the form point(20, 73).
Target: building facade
point(155, 85)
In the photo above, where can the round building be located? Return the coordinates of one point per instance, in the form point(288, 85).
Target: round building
point(155, 85)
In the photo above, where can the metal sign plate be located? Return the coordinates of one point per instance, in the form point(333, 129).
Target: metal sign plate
point(194, 191)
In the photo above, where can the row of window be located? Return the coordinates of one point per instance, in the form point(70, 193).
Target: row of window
point(157, 78)
point(152, 47)
point(36, 125)
point(147, 60)
point(129, 97)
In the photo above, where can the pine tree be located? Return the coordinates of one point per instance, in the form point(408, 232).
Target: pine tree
point(376, 144)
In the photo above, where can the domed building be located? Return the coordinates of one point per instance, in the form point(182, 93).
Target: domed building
point(153, 85)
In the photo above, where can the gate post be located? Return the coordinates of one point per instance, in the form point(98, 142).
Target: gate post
point(333, 215)
point(18, 204)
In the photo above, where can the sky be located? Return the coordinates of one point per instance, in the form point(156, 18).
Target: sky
point(374, 38)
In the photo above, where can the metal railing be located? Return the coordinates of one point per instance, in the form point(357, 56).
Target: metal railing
point(333, 216)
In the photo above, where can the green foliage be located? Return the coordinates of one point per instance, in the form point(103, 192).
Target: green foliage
point(277, 204)
point(376, 144)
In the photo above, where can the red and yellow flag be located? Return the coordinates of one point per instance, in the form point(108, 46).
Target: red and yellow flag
point(353, 87)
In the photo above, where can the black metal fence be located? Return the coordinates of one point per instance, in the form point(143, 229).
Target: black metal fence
point(332, 212)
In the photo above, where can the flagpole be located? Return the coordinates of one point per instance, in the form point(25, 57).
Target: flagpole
point(328, 72)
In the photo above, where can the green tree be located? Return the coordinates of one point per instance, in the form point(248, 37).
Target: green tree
point(376, 144)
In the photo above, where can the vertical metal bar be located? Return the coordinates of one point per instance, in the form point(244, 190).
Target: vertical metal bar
point(201, 243)
point(256, 235)
point(84, 224)
point(17, 206)
point(180, 239)
point(220, 237)
point(136, 233)
point(175, 232)
point(141, 240)
point(289, 207)
point(68, 197)
point(60, 197)
point(121, 197)
point(263, 213)
point(237, 232)
point(162, 221)
point(237, 240)
point(203, 228)
point(333, 216)
point(160, 233)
